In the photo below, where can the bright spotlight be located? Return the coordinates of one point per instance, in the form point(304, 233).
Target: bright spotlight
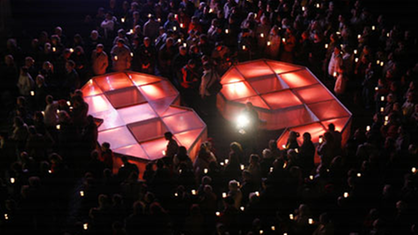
point(243, 121)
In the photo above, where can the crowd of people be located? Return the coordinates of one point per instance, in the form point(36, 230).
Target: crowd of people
point(57, 179)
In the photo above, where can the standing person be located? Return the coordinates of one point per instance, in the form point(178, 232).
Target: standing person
point(121, 56)
point(289, 42)
point(172, 146)
point(99, 60)
point(25, 82)
point(189, 82)
point(208, 79)
point(147, 56)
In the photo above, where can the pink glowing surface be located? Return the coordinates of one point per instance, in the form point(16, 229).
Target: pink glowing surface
point(328, 109)
point(281, 99)
point(284, 95)
point(125, 97)
point(268, 84)
point(281, 67)
point(182, 122)
point(113, 81)
point(232, 76)
point(91, 89)
point(254, 69)
point(117, 137)
point(313, 94)
point(257, 101)
point(237, 90)
point(299, 78)
point(142, 79)
point(136, 110)
point(137, 113)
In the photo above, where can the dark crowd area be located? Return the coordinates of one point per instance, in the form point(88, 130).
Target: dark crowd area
point(55, 178)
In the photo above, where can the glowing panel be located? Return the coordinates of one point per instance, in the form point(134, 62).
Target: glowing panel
point(281, 67)
point(111, 119)
point(147, 130)
point(285, 95)
point(158, 90)
point(131, 107)
point(268, 84)
point(140, 79)
point(231, 76)
point(254, 69)
point(134, 150)
point(328, 109)
point(187, 138)
point(182, 122)
point(154, 148)
point(91, 89)
point(313, 94)
point(281, 99)
point(137, 113)
point(98, 103)
point(255, 100)
point(237, 90)
point(113, 81)
point(299, 79)
point(125, 97)
point(339, 123)
point(117, 137)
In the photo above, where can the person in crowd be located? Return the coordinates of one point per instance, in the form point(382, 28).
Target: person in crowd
point(121, 56)
point(99, 60)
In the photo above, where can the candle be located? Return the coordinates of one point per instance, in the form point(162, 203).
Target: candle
point(382, 109)
point(296, 150)
point(367, 128)
point(68, 103)
point(132, 54)
point(261, 35)
point(81, 193)
point(176, 194)
point(175, 16)
point(320, 140)
point(382, 63)
point(6, 216)
point(205, 170)
point(244, 48)
point(317, 5)
point(193, 192)
point(271, 169)
point(257, 193)
point(149, 15)
point(58, 127)
point(122, 20)
point(181, 25)
point(226, 161)
point(32, 93)
point(185, 44)
point(242, 208)
point(224, 195)
point(373, 27)
point(414, 170)
point(226, 31)
point(356, 60)
point(345, 194)
point(242, 167)
point(376, 88)
point(311, 177)
point(338, 33)
point(303, 8)
point(355, 51)
point(85, 226)
point(222, 163)
point(218, 213)
point(334, 74)
point(326, 46)
point(159, 19)
point(273, 228)
point(359, 36)
point(12, 180)
point(115, 57)
point(359, 175)
point(310, 221)
point(268, 43)
point(174, 28)
point(284, 146)
point(387, 35)
point(291, 216)
point(71, 50)
point(377, 62)
point(261, 232)
point(284, 40)
point(163, 152)
point(382, 98)
point(43, 113)
point(179, 40)
point(54, 49)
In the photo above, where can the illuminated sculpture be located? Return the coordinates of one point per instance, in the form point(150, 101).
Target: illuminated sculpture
point(136, 110)
point(285, 96)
